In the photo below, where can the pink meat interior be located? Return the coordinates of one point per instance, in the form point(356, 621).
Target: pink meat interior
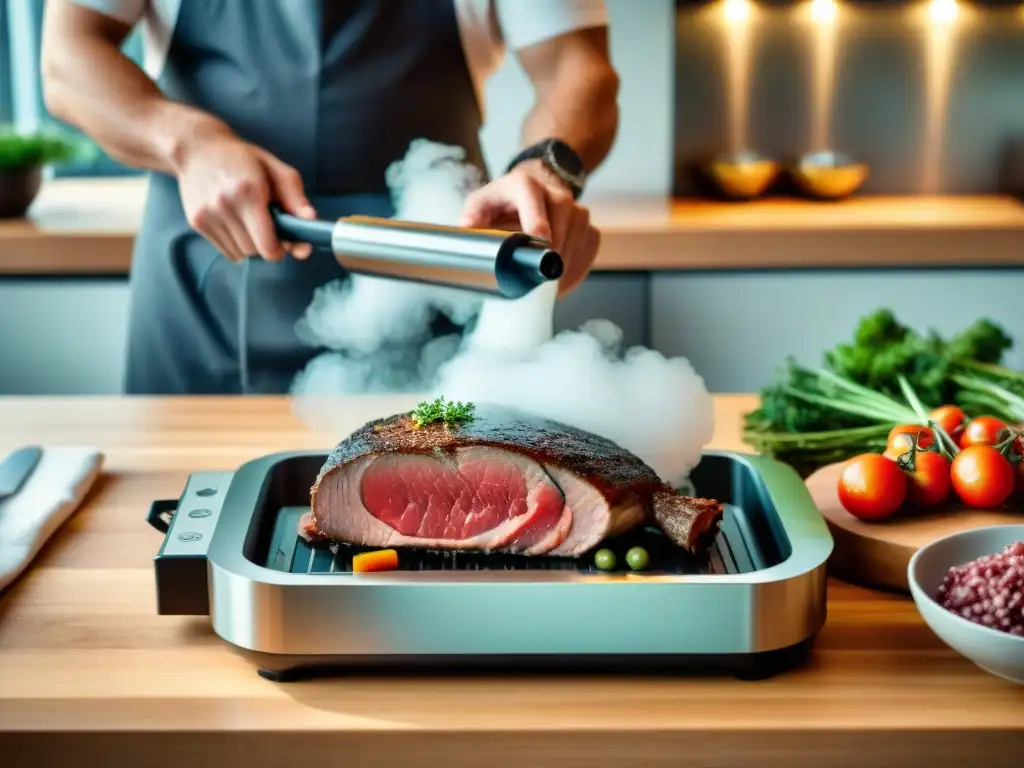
point(438, 498)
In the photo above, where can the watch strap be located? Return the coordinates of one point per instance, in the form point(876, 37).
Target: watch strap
point(545, 151)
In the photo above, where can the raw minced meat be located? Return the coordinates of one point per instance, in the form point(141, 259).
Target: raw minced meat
point(988, 591)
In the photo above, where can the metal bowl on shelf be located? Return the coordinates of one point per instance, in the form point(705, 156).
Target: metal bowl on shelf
point(741, 175)
point(829, 175)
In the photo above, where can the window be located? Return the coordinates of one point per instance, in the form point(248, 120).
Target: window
point(6, 114)
point(21, 99)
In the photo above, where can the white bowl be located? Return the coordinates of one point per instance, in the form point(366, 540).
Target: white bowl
point(996, 652)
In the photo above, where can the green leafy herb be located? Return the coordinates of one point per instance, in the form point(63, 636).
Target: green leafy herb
point(446, 411)
point(883, 350)
point(994, 390)
point(887, 375)
point(19, 152)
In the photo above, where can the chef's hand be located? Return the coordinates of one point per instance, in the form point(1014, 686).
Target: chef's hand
point(533, 200)
point(226, 187)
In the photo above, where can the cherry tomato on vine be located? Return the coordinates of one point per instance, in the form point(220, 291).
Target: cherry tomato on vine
point(924, 434)
point(982, 477)
point(1017, 450)
point(872, 487)
point(983, 430)
point(950, 417)
point(901, 439)
point(928, 478)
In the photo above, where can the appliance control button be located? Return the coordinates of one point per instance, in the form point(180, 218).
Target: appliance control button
point(206, 492)
point(200, 512)
point(190, 536)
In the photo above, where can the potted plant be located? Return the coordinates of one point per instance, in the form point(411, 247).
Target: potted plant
point(22, 159)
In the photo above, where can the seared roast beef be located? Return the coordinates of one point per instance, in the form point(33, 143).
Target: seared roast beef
point(504, 481)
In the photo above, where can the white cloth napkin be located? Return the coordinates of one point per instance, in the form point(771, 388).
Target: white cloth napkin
point(50, 496)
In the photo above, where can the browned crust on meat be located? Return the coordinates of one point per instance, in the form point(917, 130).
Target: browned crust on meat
point(690, 522)
point(617, 473)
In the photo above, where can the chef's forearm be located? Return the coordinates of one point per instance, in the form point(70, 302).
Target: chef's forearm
point(577, 95)
point(89, 83)
point(583, 115)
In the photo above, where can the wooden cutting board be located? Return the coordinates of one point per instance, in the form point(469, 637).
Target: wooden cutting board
point(877, 554)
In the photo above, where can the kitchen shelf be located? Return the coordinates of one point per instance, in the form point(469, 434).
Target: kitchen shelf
point(873, 232)
point(775, 214)
point(86, 227)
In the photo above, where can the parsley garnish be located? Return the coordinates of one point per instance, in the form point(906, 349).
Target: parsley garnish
point(449, 412)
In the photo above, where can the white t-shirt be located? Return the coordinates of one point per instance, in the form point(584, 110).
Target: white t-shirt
point(487, 27)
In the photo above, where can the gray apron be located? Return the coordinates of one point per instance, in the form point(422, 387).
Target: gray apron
point(335, 88)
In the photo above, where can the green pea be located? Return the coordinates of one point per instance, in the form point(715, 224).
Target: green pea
point(604, 559)
point(637, 558)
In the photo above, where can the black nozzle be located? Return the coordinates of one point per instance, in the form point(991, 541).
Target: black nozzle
point(524, 263)
point(537, 264)
point(292, 229)
point(551, 265)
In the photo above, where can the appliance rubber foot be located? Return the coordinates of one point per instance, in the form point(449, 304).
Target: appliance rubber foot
point(283, 675)
point(754, 673)
point(762, 666)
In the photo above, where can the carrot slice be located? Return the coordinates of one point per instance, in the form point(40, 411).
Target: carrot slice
point(379, 560)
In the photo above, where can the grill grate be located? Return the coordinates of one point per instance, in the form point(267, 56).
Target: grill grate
point(729, 554)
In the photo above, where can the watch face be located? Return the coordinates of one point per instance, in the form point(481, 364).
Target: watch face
point(566, 159)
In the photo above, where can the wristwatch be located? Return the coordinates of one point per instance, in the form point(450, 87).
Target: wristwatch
point(559, 158)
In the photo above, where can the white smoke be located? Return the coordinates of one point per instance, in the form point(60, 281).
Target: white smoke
point(655, 407)
point(378, 330)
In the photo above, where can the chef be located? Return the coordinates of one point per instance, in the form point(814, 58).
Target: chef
point(306, 103)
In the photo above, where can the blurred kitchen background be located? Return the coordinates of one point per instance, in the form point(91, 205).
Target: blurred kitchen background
point(917, 107)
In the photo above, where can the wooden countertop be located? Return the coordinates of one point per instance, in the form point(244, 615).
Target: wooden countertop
point(89, 671)
point(86, 227)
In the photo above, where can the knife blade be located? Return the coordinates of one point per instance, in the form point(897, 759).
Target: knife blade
point(16, 469)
